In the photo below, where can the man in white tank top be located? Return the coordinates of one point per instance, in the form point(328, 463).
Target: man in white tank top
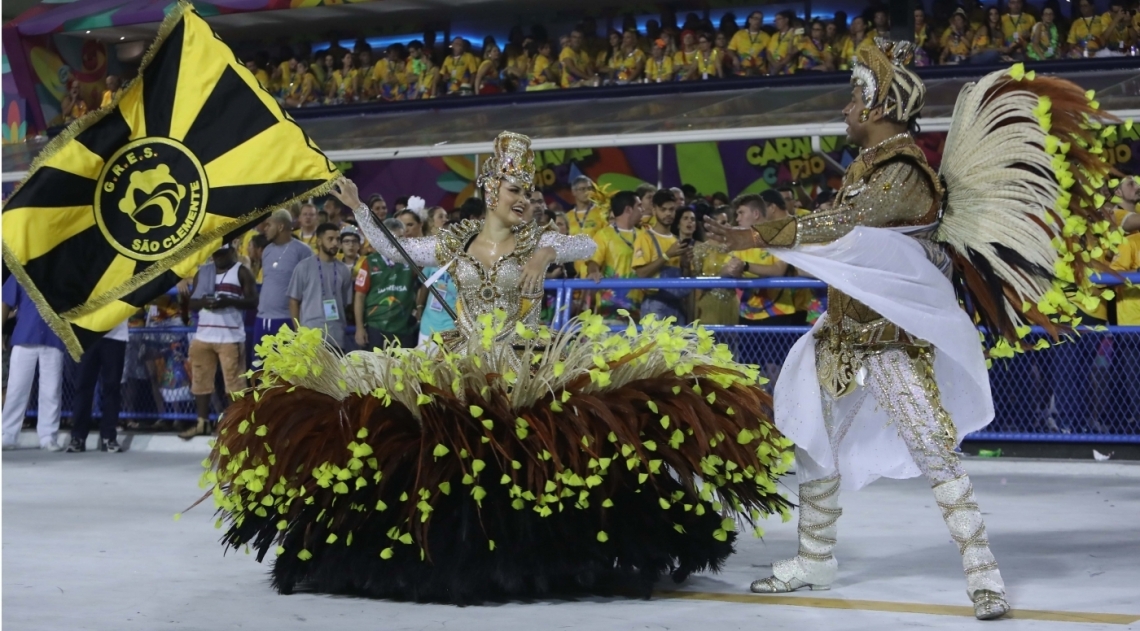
point(223, 291)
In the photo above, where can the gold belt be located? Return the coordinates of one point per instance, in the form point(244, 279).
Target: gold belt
point(841, 346)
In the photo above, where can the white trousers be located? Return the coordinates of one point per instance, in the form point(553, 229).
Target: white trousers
point(21, 374)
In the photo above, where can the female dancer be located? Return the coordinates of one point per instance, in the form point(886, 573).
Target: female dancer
point(515, 461)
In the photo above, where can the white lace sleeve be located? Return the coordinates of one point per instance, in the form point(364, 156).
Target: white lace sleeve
point(566, 248)
point(421, 249)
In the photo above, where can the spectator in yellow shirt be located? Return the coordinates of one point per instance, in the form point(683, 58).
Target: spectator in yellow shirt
point(283, 73)
point(518, 64)
point(1017, 27)
point(720, 45)
point(708, 64)
point(783, 46)
point(459, 69)
point(989, 41)
point(576, 70)
point(685, 60)
point(303, 88)
point(277, 82)
point(925, 45)
point(774, 307)
point(365, 69)
point(1118, 34)
point(324, 68)
point(613, 258)
point(488, 79)
point(420, 74)
point(1085, 32)
point(345, 81)
point(837, 44)
point(307, 223)
point(540, 76)
point(765, 307)
point(609, 57)
point(257, 67)
point(659, 67)
point(658, 253)
point(113, 87)
point(585, 217)
point(858, 39)
point(957, 40)
point(73, 105)
point(748, 46)
point(383, 71)
point(1045, 40)
point(631, 65)
point(814, 53)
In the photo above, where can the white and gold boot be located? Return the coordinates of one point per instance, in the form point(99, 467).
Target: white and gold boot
point(983, 580)
point(814, 567)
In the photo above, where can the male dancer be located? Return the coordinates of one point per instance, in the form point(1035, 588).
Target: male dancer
point(894, 329)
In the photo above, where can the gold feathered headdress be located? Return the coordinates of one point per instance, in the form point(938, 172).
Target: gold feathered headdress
point(880, 72)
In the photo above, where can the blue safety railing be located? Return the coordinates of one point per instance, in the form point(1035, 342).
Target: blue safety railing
point(1084, 390)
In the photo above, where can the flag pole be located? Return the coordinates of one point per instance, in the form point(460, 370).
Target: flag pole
point(408, 259)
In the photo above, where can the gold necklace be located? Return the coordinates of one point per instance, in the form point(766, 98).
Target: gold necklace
point(886, 142)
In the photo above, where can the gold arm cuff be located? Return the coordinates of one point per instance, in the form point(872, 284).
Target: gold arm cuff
point(780, 233)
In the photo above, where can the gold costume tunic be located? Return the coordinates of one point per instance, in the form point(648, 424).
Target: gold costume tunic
point(890, 185)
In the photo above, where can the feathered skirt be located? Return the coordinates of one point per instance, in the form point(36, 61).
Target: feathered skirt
point(614, 459)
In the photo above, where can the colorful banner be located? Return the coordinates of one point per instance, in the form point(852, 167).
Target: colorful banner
point(55, 62)
point(14, 108)
point(69, 15)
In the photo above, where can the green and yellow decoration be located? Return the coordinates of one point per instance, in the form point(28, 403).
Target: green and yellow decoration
point(1028, 230)
point(648, 440)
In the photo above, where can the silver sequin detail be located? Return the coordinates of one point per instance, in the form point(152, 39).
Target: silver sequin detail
point(483, 290)
point(902, 381)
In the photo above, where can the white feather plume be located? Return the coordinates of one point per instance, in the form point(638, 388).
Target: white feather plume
point(1000, 185)
point(416, 205)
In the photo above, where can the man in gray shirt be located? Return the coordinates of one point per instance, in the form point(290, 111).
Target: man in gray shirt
point(321, 287)
point(278, 261)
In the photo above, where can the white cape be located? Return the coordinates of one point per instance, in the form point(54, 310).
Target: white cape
point(890, 273)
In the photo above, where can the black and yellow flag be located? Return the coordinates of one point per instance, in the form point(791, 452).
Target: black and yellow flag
point(136, 195)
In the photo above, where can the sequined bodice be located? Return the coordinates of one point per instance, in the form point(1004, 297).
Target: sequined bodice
point(482, 289)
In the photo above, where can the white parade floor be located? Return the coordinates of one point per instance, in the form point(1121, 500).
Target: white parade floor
point(89, 543)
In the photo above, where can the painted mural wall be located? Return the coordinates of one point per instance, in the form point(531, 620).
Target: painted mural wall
point(732, 167)
point(56, 60)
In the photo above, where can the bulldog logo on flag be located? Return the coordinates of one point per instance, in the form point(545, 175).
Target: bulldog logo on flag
point(135, 196)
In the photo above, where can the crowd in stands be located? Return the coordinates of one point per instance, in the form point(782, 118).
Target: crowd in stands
point(309, 264)
point(662, 51)
point(696, 50)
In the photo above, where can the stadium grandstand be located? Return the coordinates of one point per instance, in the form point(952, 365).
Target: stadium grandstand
point(730, 112)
